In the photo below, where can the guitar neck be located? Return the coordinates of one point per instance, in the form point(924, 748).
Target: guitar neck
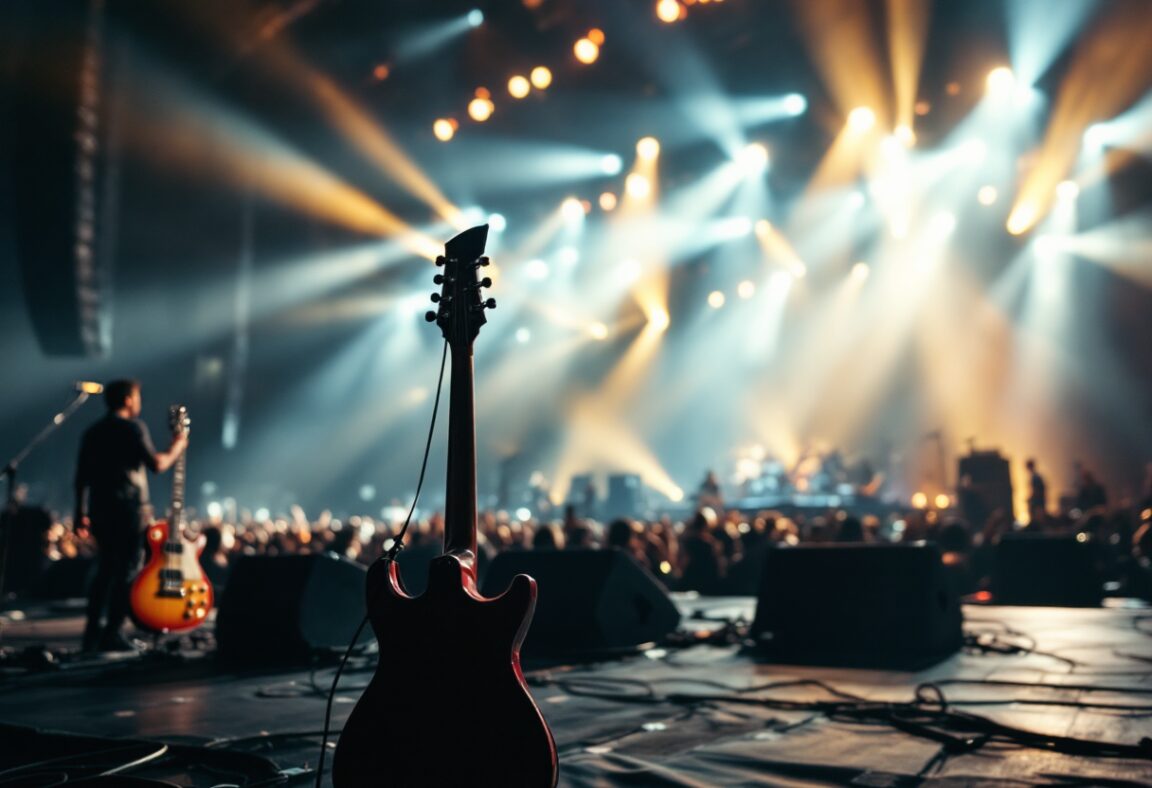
point(460, 505)
point(178, 477)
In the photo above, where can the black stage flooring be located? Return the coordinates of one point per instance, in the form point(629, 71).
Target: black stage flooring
point(668, 717)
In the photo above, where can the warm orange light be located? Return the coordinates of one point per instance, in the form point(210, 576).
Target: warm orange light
point(607, 201)
point(586, 51)
point(861, 119)
point(541, 77)
point(716, 299)
point(381, 72)
point(919, 500)
point(444, 129)
point(480, 109)
point(943, 501)
point(519, 87)
point(596, 36)
point(648, 148)
point(746, 289)
point(637, 186)
point(669, 11)
point(987, 195)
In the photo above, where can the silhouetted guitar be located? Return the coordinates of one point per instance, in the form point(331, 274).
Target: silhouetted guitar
point(447, 705)
point(171, 593)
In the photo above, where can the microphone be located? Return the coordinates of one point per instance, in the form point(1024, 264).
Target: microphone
point(88, 387)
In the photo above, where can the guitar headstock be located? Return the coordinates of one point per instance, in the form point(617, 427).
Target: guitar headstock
point(178, 420)
point(461, 309)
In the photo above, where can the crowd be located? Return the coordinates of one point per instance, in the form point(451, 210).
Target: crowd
point(713, 551)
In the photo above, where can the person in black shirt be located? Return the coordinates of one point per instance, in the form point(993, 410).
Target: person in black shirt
point(1037, 494)
point(112, 502)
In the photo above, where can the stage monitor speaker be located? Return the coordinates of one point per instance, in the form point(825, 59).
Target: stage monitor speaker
point(1039, 569)
point(866, 606)
point(985, 486)
point(283, 609)
point(590, 602)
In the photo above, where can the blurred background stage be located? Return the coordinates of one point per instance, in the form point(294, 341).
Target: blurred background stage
point(771, 275)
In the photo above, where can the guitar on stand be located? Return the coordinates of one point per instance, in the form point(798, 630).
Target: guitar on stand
point(171, 592)
point(447, 705)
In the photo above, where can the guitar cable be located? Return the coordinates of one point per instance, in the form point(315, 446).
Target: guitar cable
point(389, 555)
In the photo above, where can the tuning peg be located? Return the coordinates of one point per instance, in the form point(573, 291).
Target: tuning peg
point(436, 298)
point(440, 260)
point(483, 261)
point(438, 279)
point(430, 316)
point(490, 303)
point(486, 282)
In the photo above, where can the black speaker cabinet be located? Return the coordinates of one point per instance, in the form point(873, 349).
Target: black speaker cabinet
point(281, 609)
point(1037, 569)
point(589, 602)
point(868, 606)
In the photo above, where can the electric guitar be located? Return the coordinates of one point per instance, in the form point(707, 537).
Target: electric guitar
point(447, 705)
point(171, 593)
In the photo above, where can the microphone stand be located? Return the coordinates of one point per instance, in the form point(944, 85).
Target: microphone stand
point(11, 506)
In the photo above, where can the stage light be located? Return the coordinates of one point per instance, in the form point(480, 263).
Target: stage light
point(541, 77)
point(607, 201)
point(367, 492)
point(572, 209)
point(943, 501)
point(798, 270)
point(1096, 136)
point(519, 87)
point(669, 11)
point(659, 319)
point(861, 119)
point(987, 195)
point(795, 104)
point(596, 36)
point(568, 256)
point(1000, 81)
point(763, 228)
point(536, 269)
point(905, 135)
point(754, 157)
point(444, 129)
point(497, 222)
point(381, 72)
point(974, 151)
point(475, 17)
point(716, 299)
point(586, 51)
point(480, 109)
point(629, 271)
point(1021, 219)
point(1044, 245)
point(611, 164)
point(746, 289)
point(648, 147)
point(733, 227)
point(922, 108)
point(860, 271)
point(637, 186)
point(598, 331)
point(943, 224)
point(523, 335)
point(919, 500)
point(1067, 191)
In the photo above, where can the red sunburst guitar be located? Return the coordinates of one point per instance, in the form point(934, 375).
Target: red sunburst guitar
point(447, 705)
point(171, 593)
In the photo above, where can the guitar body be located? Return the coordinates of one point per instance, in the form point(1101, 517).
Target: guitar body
point(447, 705)
point(161, 599)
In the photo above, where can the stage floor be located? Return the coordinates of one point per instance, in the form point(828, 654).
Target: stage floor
point(1085, 674)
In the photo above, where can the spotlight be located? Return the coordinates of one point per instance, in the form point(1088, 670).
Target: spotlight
point(637, 186)
point(734, 227)
point(860, 271)
point(497, 222)
point(861, 119)
point(572, 209)
point(444, 129)
point(659, 319)
point(798, 270)
point(943, 501)
point(523, 335)
point(607, 201)
point(1000, 81)
point(762, 227)
point(596, 36)
point(746, 289)
point(648, 148)
point(1067, 191)
point(480, 109)
point(586, 51)
point(541, 77)
point(598, 331)
point(754, 157)
point(568, 256)
point(944, 223)
point(1044, 244)
point(795, 104)
point(987, 195)
point(919, 500)
point(905, 134)
point(611, 164)
point(381, 72)
point(536, 269)
point(669, 11)
point(1023, 216)
point(475, 17)
point(519, 87)
point(716, 299)
point(1096, 136)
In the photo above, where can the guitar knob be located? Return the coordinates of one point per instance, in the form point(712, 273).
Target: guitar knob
point(486, 282)
point(438, 279)
point(436, 298)
point(430, 316)
point(187, 615)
